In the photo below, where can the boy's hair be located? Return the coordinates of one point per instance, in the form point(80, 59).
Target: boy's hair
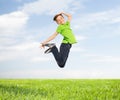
point(55, 17)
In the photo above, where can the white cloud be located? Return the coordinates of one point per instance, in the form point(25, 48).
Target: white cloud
point(60, 73)
point(78, 49)
point(96, 58)
point(81, 38)
point(97, 19)
point(12, 22)
point(25, 46)
point(40, 59)
point(107, 59)
point(29, 51)
point(7, 56)
point(52, 6)
point(21, 46)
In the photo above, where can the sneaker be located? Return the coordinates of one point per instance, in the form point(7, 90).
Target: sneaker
point(50, 45)
point(48, 50)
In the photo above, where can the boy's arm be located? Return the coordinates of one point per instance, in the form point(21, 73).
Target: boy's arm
point(49, 39)
point(68, 15)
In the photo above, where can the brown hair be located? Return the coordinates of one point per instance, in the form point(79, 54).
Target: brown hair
point(55, 17)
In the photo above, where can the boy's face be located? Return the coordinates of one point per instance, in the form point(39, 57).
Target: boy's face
point(60, 20)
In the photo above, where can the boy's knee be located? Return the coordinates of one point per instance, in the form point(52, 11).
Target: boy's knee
point(61, 65)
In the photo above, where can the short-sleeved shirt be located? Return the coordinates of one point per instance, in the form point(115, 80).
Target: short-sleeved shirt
point(66, 32)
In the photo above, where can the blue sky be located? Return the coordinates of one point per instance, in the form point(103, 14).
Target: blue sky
point(26, 23)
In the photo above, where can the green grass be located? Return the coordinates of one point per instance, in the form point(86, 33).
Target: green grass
point(60, 89)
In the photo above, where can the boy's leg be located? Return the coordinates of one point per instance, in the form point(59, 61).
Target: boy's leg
point(56, 54)
point(61, 57)
point(64, 52)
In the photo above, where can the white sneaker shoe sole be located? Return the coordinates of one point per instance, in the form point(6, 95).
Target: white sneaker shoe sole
point(48, 50)
point(50, 45)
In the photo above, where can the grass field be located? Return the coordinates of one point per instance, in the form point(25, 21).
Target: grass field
point(59, 89)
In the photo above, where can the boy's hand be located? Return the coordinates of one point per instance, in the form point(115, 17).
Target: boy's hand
point(41, 45)
point(61, 12)
point(68, 15)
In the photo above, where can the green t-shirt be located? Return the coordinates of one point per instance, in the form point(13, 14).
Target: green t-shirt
point(66, 32)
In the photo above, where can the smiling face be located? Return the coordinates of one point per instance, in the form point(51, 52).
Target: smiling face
point(59, 19)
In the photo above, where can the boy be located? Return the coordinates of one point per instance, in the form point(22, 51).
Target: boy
point(68, 39)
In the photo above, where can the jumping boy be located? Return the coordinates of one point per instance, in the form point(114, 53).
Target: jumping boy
point(68, 39)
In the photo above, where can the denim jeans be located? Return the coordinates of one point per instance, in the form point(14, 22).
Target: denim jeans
point(62, 55)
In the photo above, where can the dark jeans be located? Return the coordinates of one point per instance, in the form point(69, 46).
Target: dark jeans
point(62, 55)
